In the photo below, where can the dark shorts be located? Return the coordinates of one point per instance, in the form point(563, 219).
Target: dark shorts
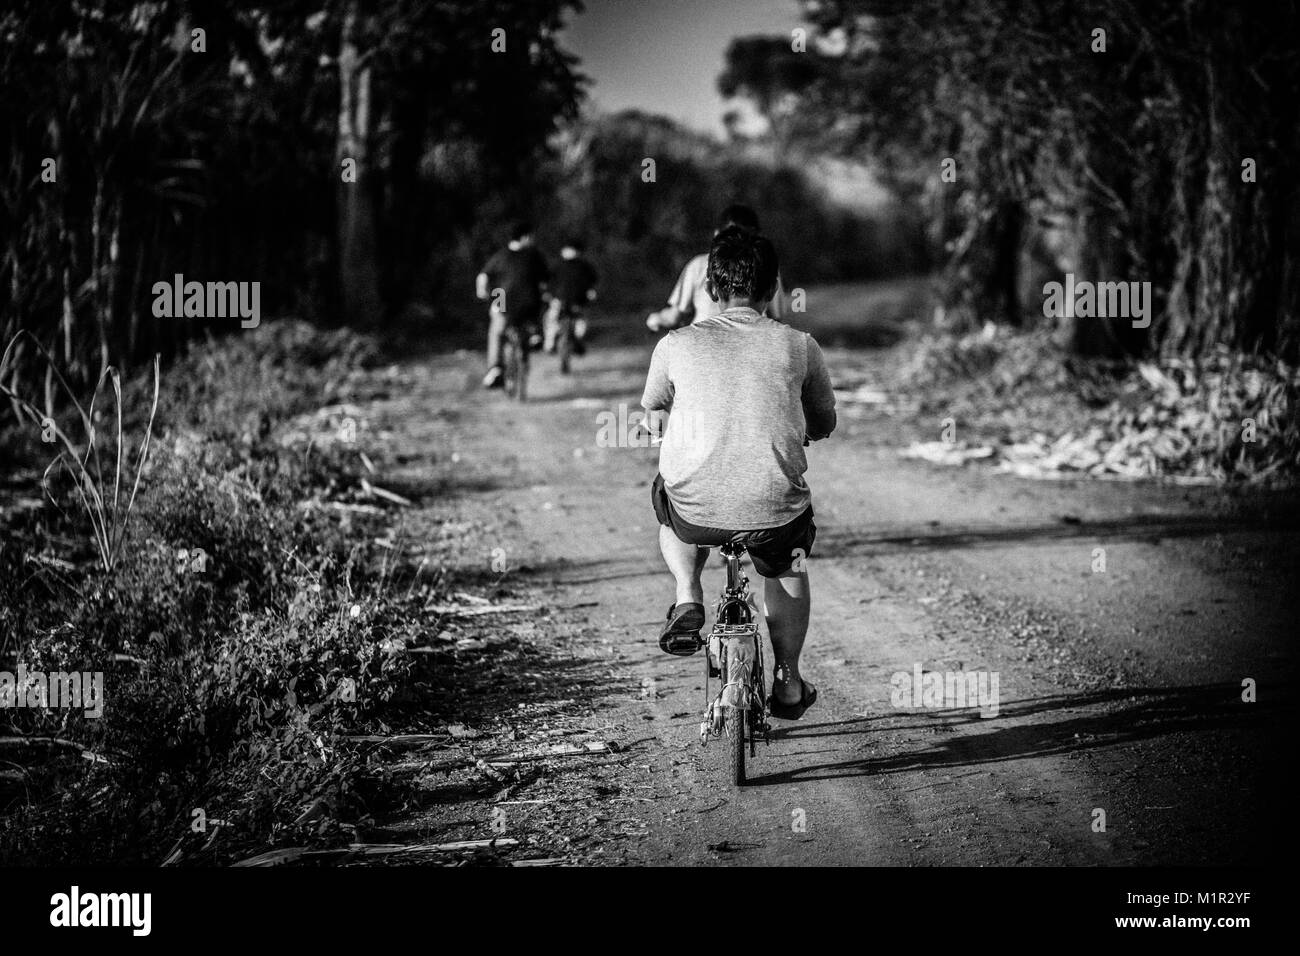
point(773, 550)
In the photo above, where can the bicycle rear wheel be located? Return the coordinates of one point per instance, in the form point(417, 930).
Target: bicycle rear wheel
point(521, 381)
point(733, 722)
point(516, 365)
point(565, 345)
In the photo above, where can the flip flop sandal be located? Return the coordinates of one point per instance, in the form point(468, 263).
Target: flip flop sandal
point(808, 697)
point(681, 635)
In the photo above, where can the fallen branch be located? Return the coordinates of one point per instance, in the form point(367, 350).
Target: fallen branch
point(175, 854)
point(493, 844)
point(53, 742)
point(292, 854)
point(397, 740)
point(52, 562)
point(384, 493)
point(460, 610)
point(506, 760)
point(347, 506)
point(559, 750)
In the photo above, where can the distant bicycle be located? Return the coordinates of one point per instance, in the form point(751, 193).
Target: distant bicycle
point(564, 343)
point(570, 338)
point(514, 362)
point(565, 327)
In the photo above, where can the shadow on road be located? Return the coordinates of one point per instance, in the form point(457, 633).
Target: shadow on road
point(1149, 528)
point(1127, 716)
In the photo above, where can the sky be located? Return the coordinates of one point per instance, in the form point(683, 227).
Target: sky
point(664, 56)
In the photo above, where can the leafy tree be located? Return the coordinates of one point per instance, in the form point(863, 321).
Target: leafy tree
point(771, 73)
point(1133, 154)
point(217, 154)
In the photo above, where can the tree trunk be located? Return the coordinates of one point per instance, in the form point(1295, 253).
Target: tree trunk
point(357, 258)
point(1101, 258)
point(1008, 236)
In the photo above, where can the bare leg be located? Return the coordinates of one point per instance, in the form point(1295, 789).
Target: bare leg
point(496, 330)
point(551, 325)
point(787, 599)
point(685, 561)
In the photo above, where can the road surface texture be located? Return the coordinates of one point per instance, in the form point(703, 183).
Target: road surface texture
point(1121, 735)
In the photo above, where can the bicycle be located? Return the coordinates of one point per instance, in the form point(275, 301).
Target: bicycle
point(564, 342)
point(564, 325)
point(739, 711)
point(514, 362)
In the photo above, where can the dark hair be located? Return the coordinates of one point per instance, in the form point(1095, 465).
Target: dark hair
point(520, 228)
point(742, 263)
point(738, 215)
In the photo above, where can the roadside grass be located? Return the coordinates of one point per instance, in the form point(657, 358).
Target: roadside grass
point(240, 635)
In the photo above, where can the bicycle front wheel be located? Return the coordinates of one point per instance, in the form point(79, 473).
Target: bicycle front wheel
point(733, 721)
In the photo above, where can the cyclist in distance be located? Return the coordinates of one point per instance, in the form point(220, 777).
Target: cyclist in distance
point(514, 282)
point(572, 289)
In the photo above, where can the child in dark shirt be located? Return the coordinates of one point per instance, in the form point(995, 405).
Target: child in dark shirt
point(514, 281)
point(574, 286)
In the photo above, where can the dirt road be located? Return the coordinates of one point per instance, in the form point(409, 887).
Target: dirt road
point(1120, 690)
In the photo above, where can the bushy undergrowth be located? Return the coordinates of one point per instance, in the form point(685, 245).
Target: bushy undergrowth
point(240, 635)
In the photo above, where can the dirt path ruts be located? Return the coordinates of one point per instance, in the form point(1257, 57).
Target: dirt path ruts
point(1119, 691)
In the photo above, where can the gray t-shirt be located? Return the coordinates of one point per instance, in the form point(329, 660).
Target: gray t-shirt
point(743, 391)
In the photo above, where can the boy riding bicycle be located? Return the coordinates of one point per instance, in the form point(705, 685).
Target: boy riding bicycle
point(514, 279)
point(745, 393)
point(574, 286)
